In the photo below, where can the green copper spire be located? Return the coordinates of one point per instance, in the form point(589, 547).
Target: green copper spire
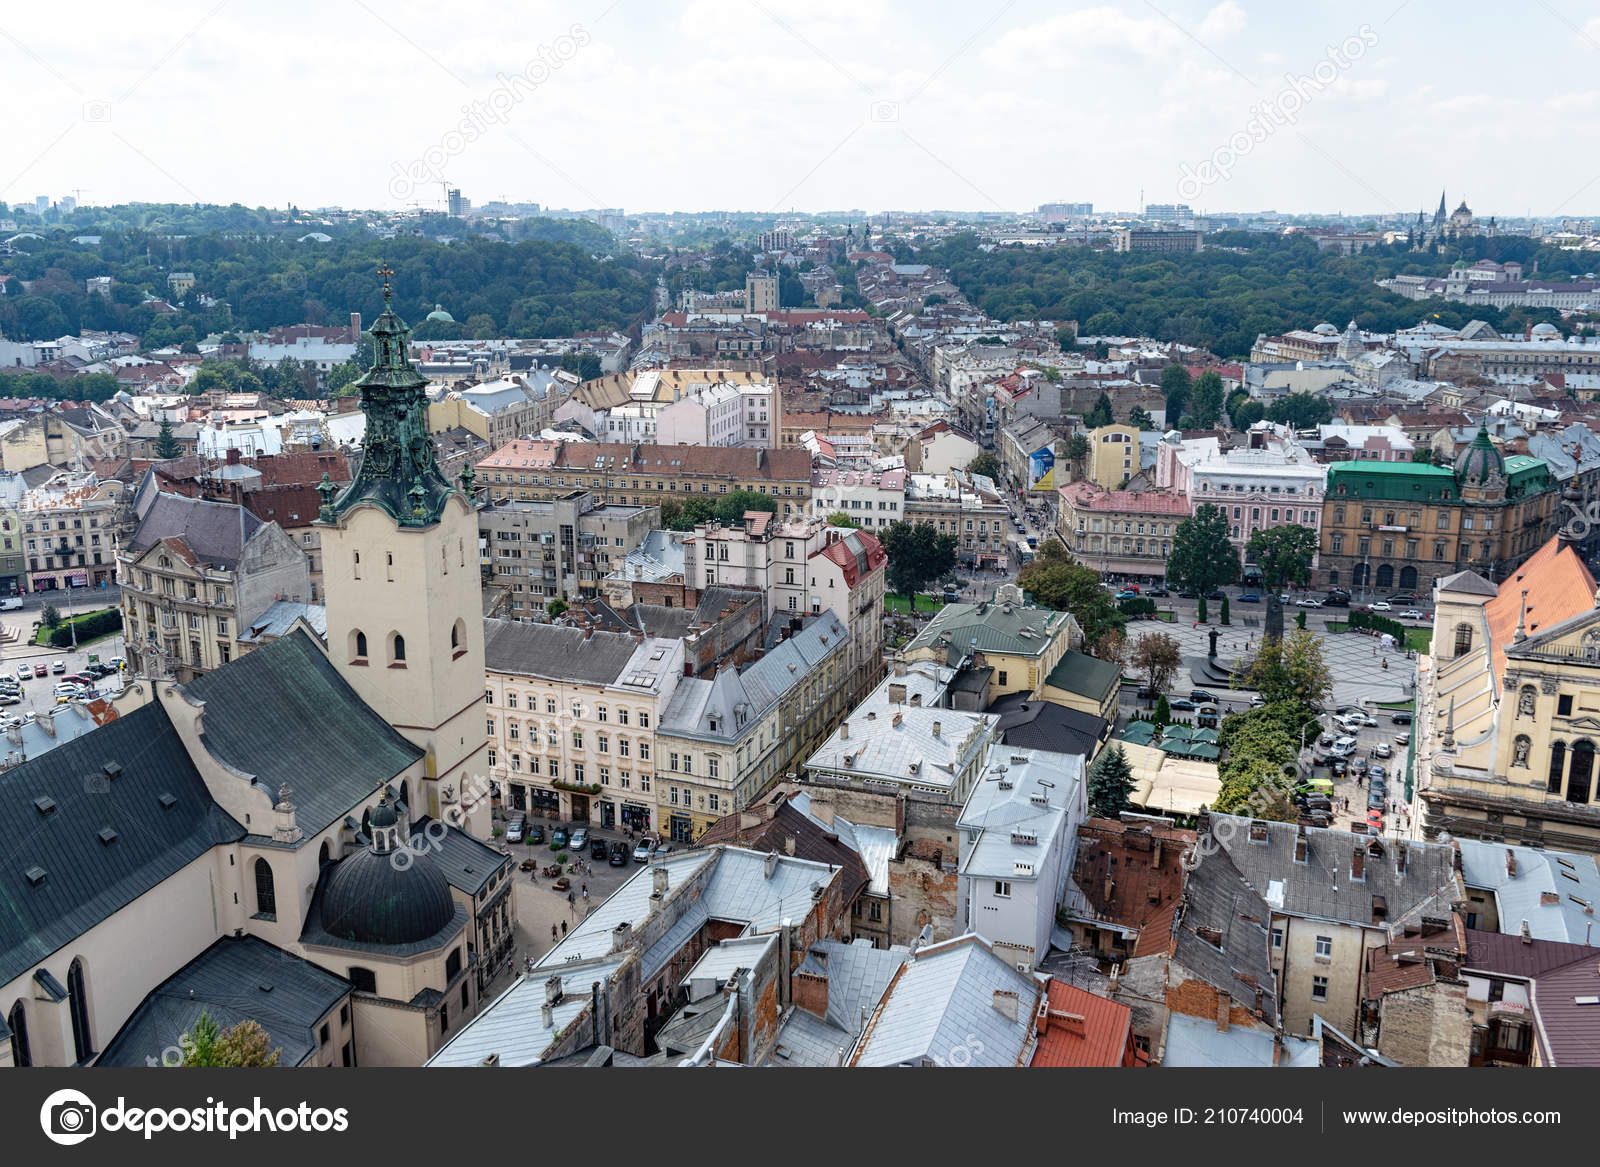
point(397, 472)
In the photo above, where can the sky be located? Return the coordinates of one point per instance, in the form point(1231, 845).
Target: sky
point(756, 106)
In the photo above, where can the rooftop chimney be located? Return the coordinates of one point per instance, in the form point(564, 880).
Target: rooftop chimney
point(1526, 933)
point(936, 728)
point(788, 844)
point(1511, 863)
point(547, 1017)
point(1005, 1002)
point(1358, 863)
point(770, 865)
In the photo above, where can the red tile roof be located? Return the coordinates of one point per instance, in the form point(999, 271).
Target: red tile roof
point(1077, 1028)
point(1559, 587)
point(843, 552)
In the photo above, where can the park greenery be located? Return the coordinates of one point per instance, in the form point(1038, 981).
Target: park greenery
point(1244, 284)
point(918, 554)
point(1056, 580)
point(1261, 746)
point(1110, 783)
point(727, 509)
point(1202, 557)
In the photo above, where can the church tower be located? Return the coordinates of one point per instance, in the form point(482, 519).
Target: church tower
point(400, 564)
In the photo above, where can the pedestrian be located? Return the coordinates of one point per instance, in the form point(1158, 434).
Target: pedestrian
point(586, 888)
point(571, 899)
point(586, 895)
point(511, 965)
point(552, 933)
point(563, 927)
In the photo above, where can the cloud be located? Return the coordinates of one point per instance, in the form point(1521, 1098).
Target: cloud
point(1222, 22)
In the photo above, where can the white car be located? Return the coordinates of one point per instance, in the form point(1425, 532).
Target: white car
point(514, 831)
point(1383, 750)
point(1381, 606)
point(1308, 602)
point(1412, 614)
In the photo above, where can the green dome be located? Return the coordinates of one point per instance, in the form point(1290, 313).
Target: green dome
point(441, 315)
point(1479, 460)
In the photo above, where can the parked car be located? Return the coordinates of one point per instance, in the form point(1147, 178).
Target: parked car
point(1149, 694)
point(1402, 739)
point(1215, 594)
point(1158, 590)
point(79, 679)
point(1412, 614)
point(514, 831)
point(1182, 703)
point(10, 603)
point(1375, 800)
point(25, 672)
point(1127, 594)
point(10, 699)
point(533, 833)
point(1257, 701)
point(1249, 598)
point(619, 854)
point(1202, 695)
point(1358, 766)
point(1333, 601)
point(579, 839)
point(642, 852)
point(1382, 750)
point(1401, 718)
point(1375, 820)
point(1308, 602)
point(1188, 594)
point(598, 849)
point(40, 671)
point(558, 837)
point(1402, 598)
point(1381, 606)
point(60, 666)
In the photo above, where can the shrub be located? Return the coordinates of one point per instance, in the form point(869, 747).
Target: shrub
point(89, 626)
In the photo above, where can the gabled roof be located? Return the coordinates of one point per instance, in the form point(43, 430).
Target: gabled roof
point(1084, 675)
point(239, 978)
point(1007, 628)
point(1559, 588)
point(771, 827)
point(1082, 1029)
point(84, 844)
point(214, 532)
point(549, 650)
point(1553, 892)
point(283, 714)
point(1043, 725)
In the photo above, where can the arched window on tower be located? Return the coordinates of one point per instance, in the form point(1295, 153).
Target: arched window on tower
point(266, 896)
point(397, 649)
point(78, 1001)
point(358, 646)
point(322, 854)
point(17, 1022)
point(1558, 765)
point(1581, 772)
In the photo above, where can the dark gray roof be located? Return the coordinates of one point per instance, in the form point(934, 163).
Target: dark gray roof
point(714, 600)
point(660, 620)
point(548, 650)
point(1323, 887)
point(1469, 582)
point(371, 898)
point(106, 840)
point(316, 933)
point(1217, 902)
point(284, 714)
point(466, 862)
point(1031, 724)
point(239, 978)
point(215, 531)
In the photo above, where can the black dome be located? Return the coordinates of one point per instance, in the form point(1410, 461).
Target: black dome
point(376, 898)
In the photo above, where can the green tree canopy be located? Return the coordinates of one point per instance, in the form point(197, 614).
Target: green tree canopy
point(1292, 669)
point(1110, 783)
point(1301, 411)
point(244, 1044)
point(166, 444)
point(917, 554)
point(1139, 417)
point(1202, 557)
point(1206, 399)
point(1176, 387)
point(1100, 415)
point(841, 519)
point(986, 464)
point(1068, 586)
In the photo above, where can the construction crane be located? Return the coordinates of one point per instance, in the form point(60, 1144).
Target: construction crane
point(77, 194)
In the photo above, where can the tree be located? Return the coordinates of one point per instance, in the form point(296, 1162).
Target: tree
point(1100, 415)
point(1206, 401)
point(244, 1044)
point(1175, 387)
point(917, 554)
point(1110, 783)
point(841, 519)
point(1225, 614)
point(166, 444)
point(340, 379)
point(730, 508)
point(1247, 413)
point(1163, 713)
point(1051, 549)
point(1291, 670)
point(1077, 454)
point(1300, 411)
point(985, 464)
point(50, 617)
point(1140, 418)
point(1158, 655)
point(1201, 614)
point(1111, 647)
point(1284, 556)
point(1423, 454)
point(1202, 557)
point(1068, 586)
point(555, 607)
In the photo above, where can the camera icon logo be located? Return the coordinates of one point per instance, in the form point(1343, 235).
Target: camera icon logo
point(885, 111)
point(97, 111)
point(68, 1117)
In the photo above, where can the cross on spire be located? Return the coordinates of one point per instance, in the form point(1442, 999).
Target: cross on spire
point(386, 271)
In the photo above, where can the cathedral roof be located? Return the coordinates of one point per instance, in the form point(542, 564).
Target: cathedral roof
point(284, 714)
point(1559, 587)
point(386, 899)
point(1480, 460)
point(93, 825)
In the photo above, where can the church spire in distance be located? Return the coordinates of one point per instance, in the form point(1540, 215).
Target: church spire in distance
point(398, 472)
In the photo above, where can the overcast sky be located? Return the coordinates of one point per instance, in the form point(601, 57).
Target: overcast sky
point(819, 105)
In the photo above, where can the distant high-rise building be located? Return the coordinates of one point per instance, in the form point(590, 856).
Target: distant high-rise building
point(1065, 210)
point(778, 239)
point(760, 292)
point(1167, 211)
point(612, 219)
point(41, 204)
point(458, 205)
point(67, 205)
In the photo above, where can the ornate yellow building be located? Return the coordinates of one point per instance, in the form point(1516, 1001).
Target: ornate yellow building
point(1508, 706)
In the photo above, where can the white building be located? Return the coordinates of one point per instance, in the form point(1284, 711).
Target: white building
point(872, 498)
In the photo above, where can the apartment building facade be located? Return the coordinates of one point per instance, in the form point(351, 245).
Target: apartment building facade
point(559, 547)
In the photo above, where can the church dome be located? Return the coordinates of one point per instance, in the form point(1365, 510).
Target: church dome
point(1325, 329)
point(1479, 460)
point(1546, 329)
point(375, 897)
point(440, 315)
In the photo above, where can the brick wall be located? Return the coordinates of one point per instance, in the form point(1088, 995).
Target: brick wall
point(1426, 1026)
